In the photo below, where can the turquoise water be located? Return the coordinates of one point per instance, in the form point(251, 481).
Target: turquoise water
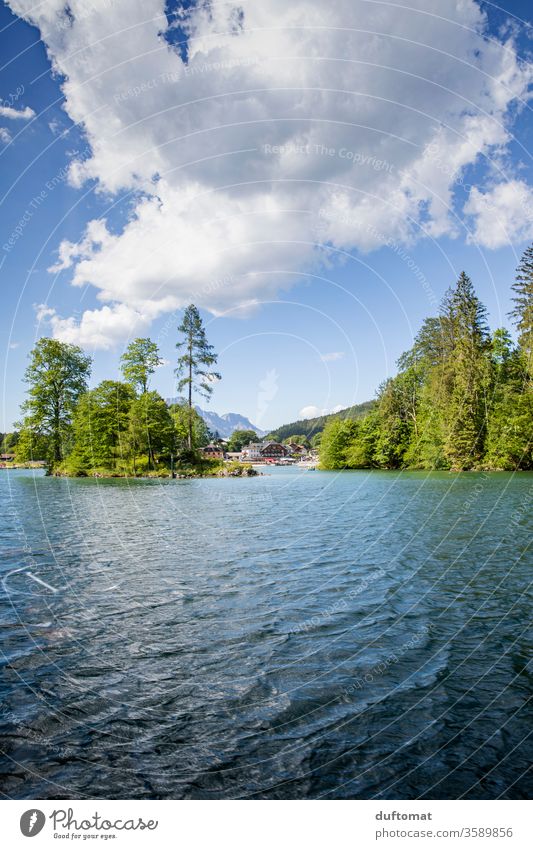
point(298, 635)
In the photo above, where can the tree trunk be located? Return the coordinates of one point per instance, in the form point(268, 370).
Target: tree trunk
point(57, 434)
point(189, 435)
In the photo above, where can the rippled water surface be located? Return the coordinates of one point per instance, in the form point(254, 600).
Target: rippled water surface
point(298, 635)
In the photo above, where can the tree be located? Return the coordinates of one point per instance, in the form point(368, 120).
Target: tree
point(298, 439)
point(194, 364)
point(8, 442)
point(240, 438)
point(151, 428)
point(57, 376)
point(522, 312)
point(360, 454)
point(31, 445)
point(101, 423)
point(398, 418)
point(139, 361)
point(180, 415)
point(465, 375)
point(509, 434)
point(337, 438)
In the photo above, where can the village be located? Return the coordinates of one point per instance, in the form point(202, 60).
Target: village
point(264, 453)
point(267, 453)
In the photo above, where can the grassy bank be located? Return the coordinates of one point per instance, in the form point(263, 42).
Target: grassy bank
point(141, 469)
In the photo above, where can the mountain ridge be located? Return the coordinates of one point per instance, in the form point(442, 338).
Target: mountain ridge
point(224, 424)
point(310, 427)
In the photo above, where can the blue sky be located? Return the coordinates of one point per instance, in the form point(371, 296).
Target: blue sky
point(314, 179)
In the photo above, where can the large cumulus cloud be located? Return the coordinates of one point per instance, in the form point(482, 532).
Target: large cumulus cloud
point(279, 126)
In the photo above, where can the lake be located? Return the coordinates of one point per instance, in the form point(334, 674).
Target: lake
point(299, 635)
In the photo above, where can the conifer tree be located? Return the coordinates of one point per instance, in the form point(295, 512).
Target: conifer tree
point(522, 312)
point(466, 375)
point(194, 365)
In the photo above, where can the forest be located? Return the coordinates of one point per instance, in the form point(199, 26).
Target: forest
point(462, 398)
point(119, 428)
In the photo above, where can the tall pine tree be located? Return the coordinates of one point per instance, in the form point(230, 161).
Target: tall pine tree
point(194, 365)
point(466, 375)
point(522, 312)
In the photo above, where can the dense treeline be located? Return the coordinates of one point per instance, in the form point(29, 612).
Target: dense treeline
point(8, 442)
point(462, 398)
point(119, 427)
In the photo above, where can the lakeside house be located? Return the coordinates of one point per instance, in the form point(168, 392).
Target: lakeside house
point(213, 452)
point(274, 451)
point(261, 451)
point(267, 451)
point(7, 461)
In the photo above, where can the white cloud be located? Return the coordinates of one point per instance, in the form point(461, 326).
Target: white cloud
point(503, 214)
point(332, 356)
point(16, 114)
point(289, 125)
point(100, 328)
point(311, 412)
point(5, 135)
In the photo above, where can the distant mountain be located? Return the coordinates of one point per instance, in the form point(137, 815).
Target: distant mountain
point(226, 424)
point(310, 427)
point(223, 425)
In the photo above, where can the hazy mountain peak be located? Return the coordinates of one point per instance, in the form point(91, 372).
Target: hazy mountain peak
point(223, 425)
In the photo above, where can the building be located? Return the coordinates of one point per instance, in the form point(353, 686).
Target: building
point(259, 451)
point(252, 451)
point(273, 451)
point(213, 452)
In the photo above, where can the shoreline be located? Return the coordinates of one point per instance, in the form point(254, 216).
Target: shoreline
point(247, 472)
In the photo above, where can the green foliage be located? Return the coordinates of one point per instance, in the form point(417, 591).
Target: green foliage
point(466, 377)
point(337, 438)
point(194, 365)
point(522, 312)
point(298, 439)
point(57, 376)
point(360, 454)
point(101, 424)
point(310, 428)
point(139, 362)
point(151, 428)
point(31, 446)
point(181, 415)
point(8, 442)
point(510, 436)
point(461, 399)
point(240, 438)
point(109, 429)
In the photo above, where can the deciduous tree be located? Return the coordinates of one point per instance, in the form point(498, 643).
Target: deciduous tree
point(56, 376)
point(139, 362)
